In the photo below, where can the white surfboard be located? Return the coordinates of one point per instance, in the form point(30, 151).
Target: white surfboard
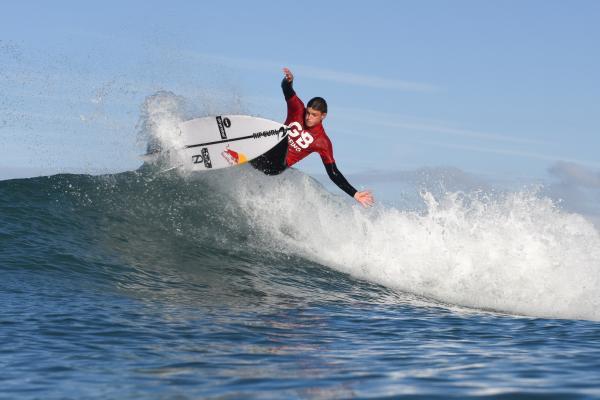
point(226, 140)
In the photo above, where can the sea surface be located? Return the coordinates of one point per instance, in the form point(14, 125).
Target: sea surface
point(233, 285)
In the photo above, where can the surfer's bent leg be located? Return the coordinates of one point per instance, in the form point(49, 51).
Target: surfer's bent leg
point(273, 161)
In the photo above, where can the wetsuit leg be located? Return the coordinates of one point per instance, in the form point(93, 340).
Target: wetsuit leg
point(273, 161)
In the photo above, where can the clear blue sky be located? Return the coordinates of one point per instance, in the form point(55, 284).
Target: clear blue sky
point(503, 88)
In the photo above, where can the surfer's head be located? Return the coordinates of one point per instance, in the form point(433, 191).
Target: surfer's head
point(316, 111)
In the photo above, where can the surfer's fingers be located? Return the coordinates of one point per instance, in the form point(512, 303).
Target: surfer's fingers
point(367, 199)
point(288, 74)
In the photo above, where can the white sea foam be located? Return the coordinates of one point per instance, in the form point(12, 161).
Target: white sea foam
point(516, 253)
point(158, 126)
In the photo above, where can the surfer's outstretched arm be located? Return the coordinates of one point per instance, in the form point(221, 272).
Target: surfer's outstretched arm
point(365, 198)
point(286, 84)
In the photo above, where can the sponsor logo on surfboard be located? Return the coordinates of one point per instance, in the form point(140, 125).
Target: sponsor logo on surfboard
point(233, 157)
point(206, 158)
point(202, 158)
point(281, 131)
point(222, 124)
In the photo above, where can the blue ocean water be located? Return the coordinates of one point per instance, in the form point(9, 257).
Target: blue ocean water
point(235, 285)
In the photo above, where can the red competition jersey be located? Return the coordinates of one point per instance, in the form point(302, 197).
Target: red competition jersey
point(302, 140)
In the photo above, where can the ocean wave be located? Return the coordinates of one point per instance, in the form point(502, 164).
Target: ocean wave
point(510, 252)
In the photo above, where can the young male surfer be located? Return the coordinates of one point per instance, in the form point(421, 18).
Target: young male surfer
point(306, 135)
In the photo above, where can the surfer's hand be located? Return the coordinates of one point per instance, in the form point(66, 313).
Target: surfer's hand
point(288, 74)
point(365, 198)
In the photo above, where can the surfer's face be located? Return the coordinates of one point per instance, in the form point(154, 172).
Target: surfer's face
point(313, 117)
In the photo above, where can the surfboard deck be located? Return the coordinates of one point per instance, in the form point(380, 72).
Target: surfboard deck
point(225, 141)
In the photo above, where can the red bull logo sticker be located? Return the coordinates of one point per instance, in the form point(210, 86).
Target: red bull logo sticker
point(233, 157)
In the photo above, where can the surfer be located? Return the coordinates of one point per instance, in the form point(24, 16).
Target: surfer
point(306, 135)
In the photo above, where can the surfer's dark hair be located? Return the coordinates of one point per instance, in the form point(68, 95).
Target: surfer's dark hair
point(318, 103)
